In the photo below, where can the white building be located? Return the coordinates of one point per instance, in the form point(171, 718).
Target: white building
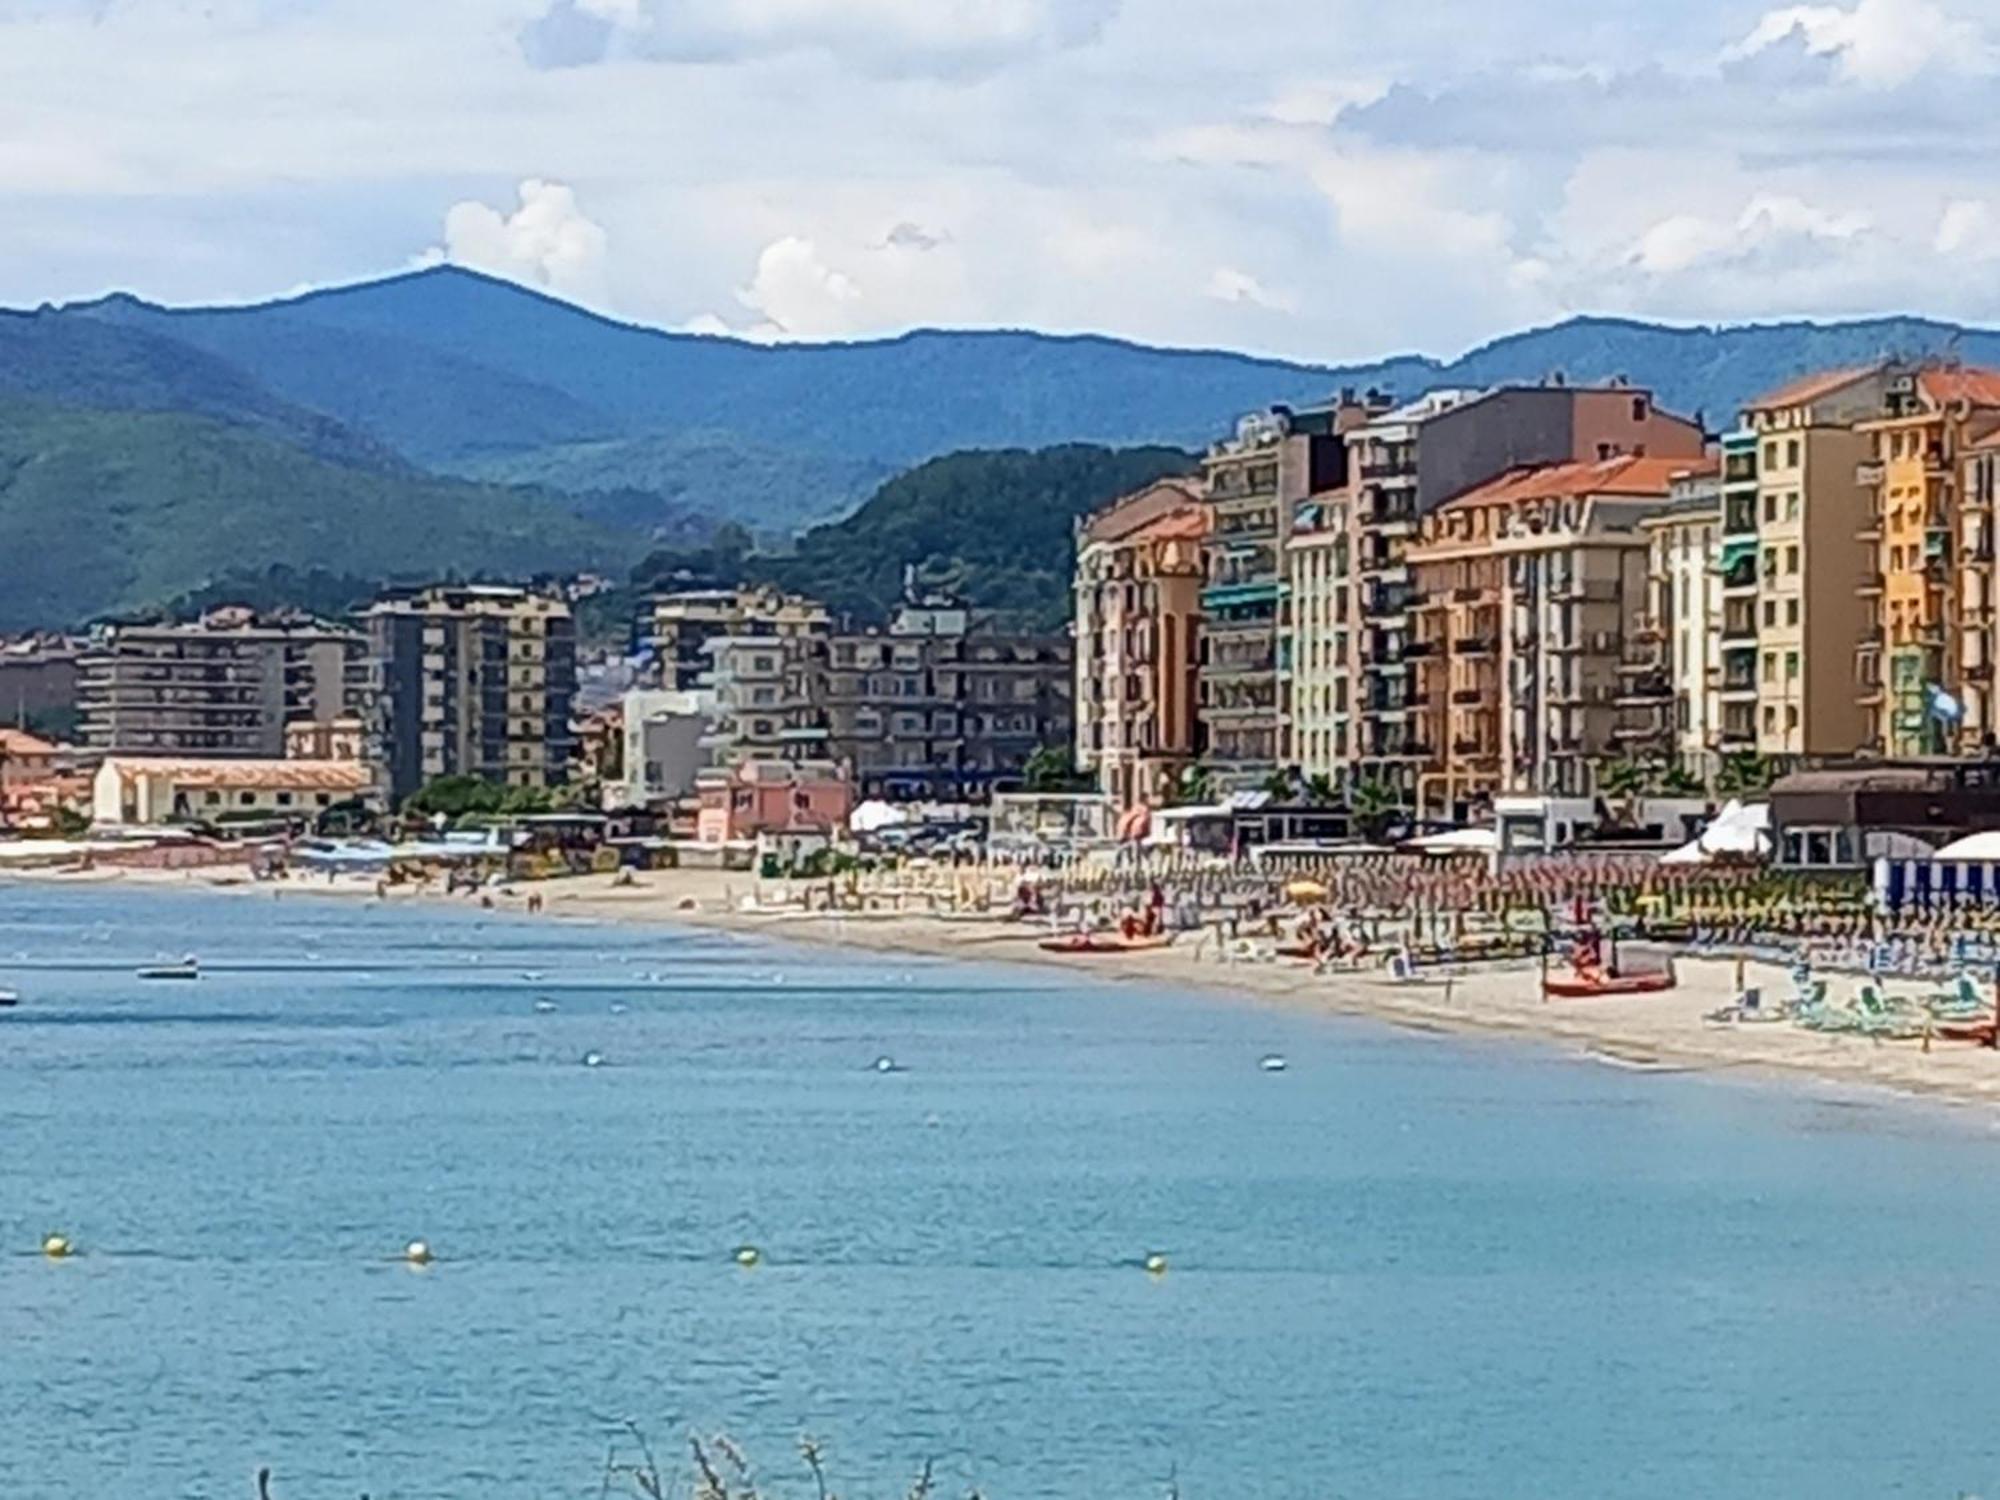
point(664, 729)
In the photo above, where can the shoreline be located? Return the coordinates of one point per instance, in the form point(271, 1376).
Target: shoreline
point(1660, 1033)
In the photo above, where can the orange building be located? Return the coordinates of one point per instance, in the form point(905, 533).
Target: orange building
point(1525, 591)
point(1139, 577)
point(1927, 606)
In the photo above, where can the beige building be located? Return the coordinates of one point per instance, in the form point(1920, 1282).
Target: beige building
point(150, 792)
point(1525, 590)
point(1796, 574)
point(473, 680)
point(1321, 658)
point(1978, 601)
point(1673, 675)
point(685, 621)
point(1139, 575)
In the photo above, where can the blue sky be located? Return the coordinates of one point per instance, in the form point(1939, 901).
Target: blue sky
point(1312, 178)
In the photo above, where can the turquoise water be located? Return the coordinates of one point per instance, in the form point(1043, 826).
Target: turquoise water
point(1408, 1266)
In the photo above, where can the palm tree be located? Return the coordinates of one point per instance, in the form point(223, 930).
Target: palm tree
point(1679, 781)
point(1743, 773)
point(1195, 787)
point(1623, 783)
point(1320, 791)
point(1372, 806)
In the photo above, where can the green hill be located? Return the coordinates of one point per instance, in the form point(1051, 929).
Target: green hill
point(995, 528)
point(116, 510)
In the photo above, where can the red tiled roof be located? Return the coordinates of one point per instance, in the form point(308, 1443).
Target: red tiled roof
point(1627, 474)
point(1122, 517)
point(1949, 384)
point(1809, 388)
point(20, 742)
point(251, 775)
point(1191, 524)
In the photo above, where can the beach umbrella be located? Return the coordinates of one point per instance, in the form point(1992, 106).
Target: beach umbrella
point(1305, 890)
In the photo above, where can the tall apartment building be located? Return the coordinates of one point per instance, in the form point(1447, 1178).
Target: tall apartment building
point(685, 621)
point(38, 681)
point(1978, 604)
point(1139, 575)
point(767, 691)
point(1412, 460)
point(1929, 418)
point(1525, 588)
point(1673, 674)
point(1253, 484)
point(473, 681)
point(1809, 557)
point(226, 686)
point(940, 706)
point(1321, 652)
point(1736, 572)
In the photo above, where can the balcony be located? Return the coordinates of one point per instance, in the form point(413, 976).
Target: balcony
point(1871, 583)
point(1480, 749)
point(1740, 575)
point(1469, 697)
point(1418, 650)
point(1869, 475)
point(1650, 688)
point(1475, 645)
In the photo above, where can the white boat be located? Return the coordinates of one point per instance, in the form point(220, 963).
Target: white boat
point(9, 997)
point(187, 968)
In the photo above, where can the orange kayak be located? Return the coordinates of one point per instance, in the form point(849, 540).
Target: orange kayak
point(1611, 984)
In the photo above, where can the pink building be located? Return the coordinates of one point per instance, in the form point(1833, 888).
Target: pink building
point(766, 796)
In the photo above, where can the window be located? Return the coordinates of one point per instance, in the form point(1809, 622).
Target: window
point(247, 799)
point(1791, 717)
point(284, 799)
point(1791, 611)
point(211, 799)
point(1770, 612)
point(1771, 454)
point(1791, 666)
point(1770, 719)
point(1792, 561)
point(1638, 408)
point(1792, 453)
point(1792, 506)
point(1770, 507)
point(1770, 666)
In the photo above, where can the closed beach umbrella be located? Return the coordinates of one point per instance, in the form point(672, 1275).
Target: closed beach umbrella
point(1305, 890)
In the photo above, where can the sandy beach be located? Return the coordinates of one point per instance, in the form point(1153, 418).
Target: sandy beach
point(1652, 1032)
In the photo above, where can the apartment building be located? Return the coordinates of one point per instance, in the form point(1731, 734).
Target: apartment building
point(1796, 560)
point(1524, 589)
point(944, 706)
point(38, 681)
point(225, 686)
point(1254, 485)
point(1930, 416)
point(1410, 461)
point(1736, 572)
point(473, 681)
point(1139, 573)
point(1672, 695)
point(1319, 575)
point(1978, 624)
point(767, 694)
point(685, 621)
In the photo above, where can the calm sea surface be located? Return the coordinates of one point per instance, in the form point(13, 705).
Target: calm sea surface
point(1407, 1266)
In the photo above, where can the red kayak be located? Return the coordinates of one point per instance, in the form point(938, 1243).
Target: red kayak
point(1580, 988)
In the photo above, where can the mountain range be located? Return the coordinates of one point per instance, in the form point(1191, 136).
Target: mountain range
point(442, 419)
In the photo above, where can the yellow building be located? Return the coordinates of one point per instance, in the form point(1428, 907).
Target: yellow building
point(1917, 644)
point(1792, 564)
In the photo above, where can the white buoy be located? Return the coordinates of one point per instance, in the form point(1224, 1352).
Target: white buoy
point(593, 1059)
point(57, 1247)
point(418, 1253)
point(1274, 1063)
point(885, 1064)
point(545, 1007)
point(1156, 1264)
point(619, 1010)
point(748, 1256)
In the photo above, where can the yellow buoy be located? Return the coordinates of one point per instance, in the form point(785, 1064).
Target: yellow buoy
point(748, 1256)
point(1156, 1264)
point(57, 1247)
point(418, 1253)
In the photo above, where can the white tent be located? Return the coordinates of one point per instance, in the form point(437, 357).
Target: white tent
point(1738, 830)
point(874, 816)
point(1974, 846)
point(1456, 841)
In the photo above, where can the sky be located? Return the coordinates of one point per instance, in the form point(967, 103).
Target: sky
point(1317, 179)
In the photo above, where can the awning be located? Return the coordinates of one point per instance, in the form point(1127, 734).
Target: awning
point(1736, 550)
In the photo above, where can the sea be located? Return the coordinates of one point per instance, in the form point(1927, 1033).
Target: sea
point(1403, 1265)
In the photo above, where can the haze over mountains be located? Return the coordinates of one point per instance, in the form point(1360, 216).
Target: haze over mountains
point(445, 420)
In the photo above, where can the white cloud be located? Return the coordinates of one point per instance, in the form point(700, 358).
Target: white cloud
point(1686, 241)
point(547, 242)
point(1878, 44)
point(889, 36)
point(1968, 229)
point(1227, 284)
point(797, 295)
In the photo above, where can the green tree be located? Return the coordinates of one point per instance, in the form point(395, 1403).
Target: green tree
point(1373, 807)
point(456, 797)
point(1052, 769)
point(1623, 783)
point(1321, 792)
point(1195, 787)
point(1744, 774)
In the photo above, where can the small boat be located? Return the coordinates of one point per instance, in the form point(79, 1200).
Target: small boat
point(1274, 1063)
point(1582, 987)
point(187, 968)
point(9, 998)
point(1085, 942)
